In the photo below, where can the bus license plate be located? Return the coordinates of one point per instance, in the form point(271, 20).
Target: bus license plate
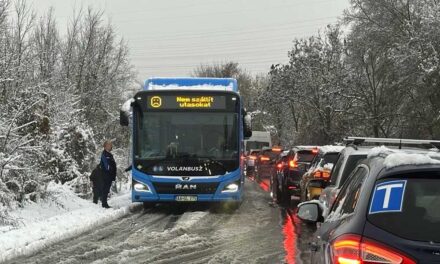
point(186, 198)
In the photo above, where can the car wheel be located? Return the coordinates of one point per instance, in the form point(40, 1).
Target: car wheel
point(283, 196)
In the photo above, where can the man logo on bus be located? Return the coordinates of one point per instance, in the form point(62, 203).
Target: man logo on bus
point(156, 101)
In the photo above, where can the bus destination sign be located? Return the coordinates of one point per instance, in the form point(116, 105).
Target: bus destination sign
point(187, 102)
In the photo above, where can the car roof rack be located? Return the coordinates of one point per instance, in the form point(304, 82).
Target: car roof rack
point(399, 141)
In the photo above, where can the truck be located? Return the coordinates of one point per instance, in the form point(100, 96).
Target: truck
point(187, 140)
point(258, 140)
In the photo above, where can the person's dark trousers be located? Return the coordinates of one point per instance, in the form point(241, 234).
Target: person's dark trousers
point(105, 192)
point(96, 193)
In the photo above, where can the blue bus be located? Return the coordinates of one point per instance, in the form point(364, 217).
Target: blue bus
point(187, 141)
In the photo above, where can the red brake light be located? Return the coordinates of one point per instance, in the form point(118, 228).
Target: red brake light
point(276, 149)
point(317, 174)
point(293, 164)
point(321, 174)
point(280, 165)
point(315, 151)
point(252, 157)
point(342, 260)
point(352, 249)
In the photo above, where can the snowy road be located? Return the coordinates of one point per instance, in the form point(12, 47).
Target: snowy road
point(257, 232)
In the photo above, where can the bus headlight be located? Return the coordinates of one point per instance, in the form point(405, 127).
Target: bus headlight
point(231, 187)
point(139, 187)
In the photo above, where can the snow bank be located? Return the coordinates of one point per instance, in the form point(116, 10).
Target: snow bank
point(59, 217)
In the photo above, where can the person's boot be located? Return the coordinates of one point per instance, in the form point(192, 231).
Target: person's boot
point(106, 206)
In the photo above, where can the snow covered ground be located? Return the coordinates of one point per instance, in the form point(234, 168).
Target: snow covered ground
point(257, 232)
point(60, 216)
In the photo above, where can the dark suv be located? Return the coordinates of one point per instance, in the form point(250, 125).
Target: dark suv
point(386, 212)
point(289, 170)
point(265, 162)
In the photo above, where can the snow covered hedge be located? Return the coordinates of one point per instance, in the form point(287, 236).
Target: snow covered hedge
point(58, 100)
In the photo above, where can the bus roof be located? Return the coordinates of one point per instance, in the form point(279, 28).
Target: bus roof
point(188, 83)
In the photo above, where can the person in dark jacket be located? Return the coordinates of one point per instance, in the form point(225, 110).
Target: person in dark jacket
point(97, 183)
point(108, 166)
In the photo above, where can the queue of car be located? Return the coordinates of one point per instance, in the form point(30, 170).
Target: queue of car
point(292, 172)
point(371, 203)
point(382, 205)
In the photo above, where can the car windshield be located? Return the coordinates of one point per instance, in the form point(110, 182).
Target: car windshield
point(187, 137)
point(419, 215)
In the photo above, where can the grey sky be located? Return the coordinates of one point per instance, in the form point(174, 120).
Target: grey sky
point(172, 37)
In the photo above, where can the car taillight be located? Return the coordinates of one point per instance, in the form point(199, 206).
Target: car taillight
point(293, 164)
point(317, 174)
point(321, 174)
point(280, 165)
point(264, 158)
point(252, 157)
point(352, 249)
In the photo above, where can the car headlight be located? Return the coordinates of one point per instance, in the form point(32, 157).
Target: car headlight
point(139, 187)
point(231, 187)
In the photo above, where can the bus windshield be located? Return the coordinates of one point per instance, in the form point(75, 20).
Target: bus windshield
point(187, 139)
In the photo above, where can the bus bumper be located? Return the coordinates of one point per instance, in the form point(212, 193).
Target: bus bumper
point(228, 188)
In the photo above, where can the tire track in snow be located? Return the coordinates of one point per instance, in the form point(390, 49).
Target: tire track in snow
point(180, 234)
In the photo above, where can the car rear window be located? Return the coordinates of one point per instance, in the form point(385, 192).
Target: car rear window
point(410, 211)
point(330, 158)
point(255, 152)
point(305, 156)
point(256, 145)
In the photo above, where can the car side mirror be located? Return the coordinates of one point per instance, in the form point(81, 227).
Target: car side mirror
point(310, 212)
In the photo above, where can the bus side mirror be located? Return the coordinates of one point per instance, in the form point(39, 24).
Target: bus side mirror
point(123, 118)
point(247, 126)
point(125, 113)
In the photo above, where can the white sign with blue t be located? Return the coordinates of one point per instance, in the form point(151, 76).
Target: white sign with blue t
point(388, 197)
